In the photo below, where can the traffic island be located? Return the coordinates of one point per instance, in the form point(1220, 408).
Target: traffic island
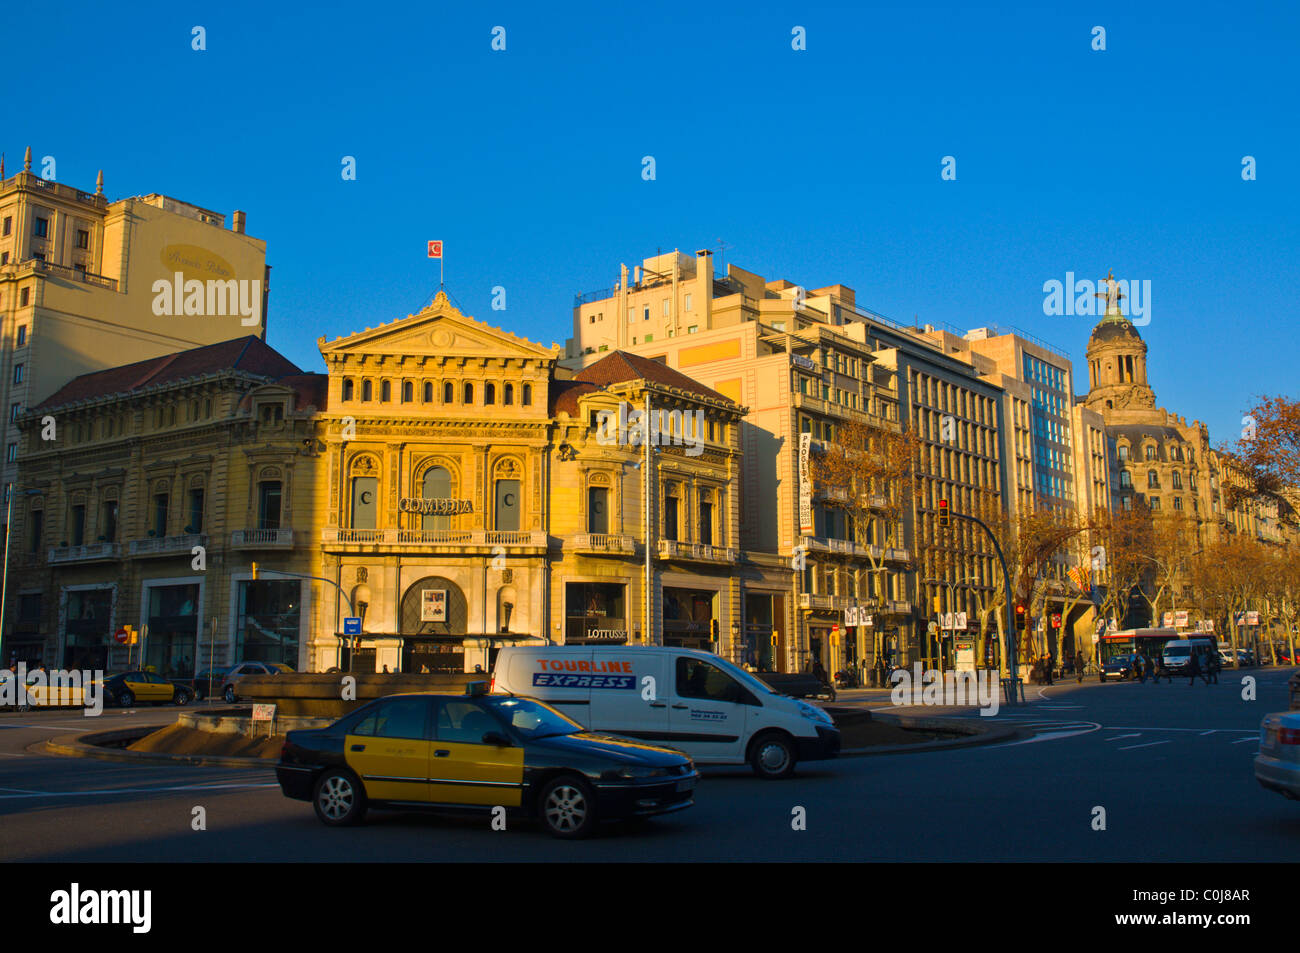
point(864, 733)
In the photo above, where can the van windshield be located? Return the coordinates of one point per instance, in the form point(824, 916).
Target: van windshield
point(1178, 651)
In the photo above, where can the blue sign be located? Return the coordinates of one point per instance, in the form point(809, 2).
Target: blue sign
point(352, 625)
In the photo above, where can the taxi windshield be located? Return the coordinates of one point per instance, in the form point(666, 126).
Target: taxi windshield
point(532, 719)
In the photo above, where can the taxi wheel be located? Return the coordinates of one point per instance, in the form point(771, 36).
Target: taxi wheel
point(182, 698)
point(772, 757)
point(568, 808)
point(230, 694)
point(125, 699)
point(339, 798)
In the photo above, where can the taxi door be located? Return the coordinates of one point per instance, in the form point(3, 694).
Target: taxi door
point(138, 684)
point(389, 749)
point(464, 770)
point(160, 690)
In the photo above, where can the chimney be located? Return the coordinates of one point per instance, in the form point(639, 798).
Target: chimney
point(636, 277)
point(704, 284)
point(237, 221)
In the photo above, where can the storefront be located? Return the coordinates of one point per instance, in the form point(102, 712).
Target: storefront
point(434, 616)
point(268, 623)
point(87, 627)
point(764, 616)
point(171, 637)
point(595, 613)
point(688, 617)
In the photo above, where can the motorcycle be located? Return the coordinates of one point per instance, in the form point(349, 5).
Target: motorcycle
point(846, 678)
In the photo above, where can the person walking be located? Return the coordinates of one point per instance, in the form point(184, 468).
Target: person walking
point(1078, 666)
point(1194, 669)
point(1213, 664)
point(1140, 667)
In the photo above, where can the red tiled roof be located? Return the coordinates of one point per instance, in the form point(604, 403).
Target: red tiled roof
point(564, 396)
point(248, 354)
point(621, 366)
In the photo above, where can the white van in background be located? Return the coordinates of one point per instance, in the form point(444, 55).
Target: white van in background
point(703, 705)
point(1177, 653)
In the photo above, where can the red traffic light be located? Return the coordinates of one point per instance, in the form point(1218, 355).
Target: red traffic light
point(943, 513)
point(1020, 608)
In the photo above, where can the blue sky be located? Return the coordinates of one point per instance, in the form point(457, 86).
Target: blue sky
point(819, 166)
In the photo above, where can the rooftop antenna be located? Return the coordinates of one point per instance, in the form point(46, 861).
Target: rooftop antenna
point(721, 268)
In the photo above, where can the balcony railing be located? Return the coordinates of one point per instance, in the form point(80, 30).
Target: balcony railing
point(616, 543)
point(63, 271)
point(261, 539)
point(166, 545)
point(459, 540)
point(86, 553)
point(676, 549)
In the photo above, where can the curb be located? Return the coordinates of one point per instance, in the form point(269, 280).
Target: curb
point(88, 746)
point(975, 735)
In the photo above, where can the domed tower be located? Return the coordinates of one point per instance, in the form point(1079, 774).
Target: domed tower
point(1117, 365)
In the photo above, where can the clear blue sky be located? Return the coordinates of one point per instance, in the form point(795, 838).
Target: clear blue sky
point(818, 166)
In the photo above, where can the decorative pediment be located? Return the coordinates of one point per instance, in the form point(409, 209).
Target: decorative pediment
point(440, 330)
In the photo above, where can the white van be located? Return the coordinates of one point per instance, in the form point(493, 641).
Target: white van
point(694, 701)
point(1178, 653)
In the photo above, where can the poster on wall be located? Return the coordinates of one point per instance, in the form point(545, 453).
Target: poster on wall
point(433, 608)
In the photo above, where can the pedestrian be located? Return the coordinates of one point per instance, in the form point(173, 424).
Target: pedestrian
point(1158, 665)
point(1047, 668)
point(1078, 666)
point(1140, 667)
point(881, 672)
point(1194, 669)
point(819, 671)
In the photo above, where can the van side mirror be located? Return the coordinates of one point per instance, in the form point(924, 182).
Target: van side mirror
point(497, 739)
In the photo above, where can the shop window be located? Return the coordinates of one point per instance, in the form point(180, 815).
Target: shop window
point(267, 624)
point(594, 613)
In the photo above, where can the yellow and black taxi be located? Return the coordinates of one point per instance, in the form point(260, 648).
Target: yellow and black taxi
point(475, 752)
point(127, 688)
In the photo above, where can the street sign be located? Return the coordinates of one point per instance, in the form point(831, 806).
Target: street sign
point(1056, 620)
point(435, 249)
point(351, 625)
point(851, 616)
point(866, 620)
point(122, 635)
point(263, 712)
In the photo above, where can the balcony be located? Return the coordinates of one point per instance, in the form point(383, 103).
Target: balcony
point(615, 544)
point(36, 266)
point(261, 539)
point(443, 542)
point(167, 545)
point(700, 552)
point(91, 552)
point(823, 602)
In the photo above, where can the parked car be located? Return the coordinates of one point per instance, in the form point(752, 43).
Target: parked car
point(127, 688)
point(797, 684)
point(474, 752)
point(230, 684)
point(1277, 766)
point(215, 678)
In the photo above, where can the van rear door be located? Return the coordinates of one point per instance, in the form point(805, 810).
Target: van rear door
point(708, 711)
point(629, 693)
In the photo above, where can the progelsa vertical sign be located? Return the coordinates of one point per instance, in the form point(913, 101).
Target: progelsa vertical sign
point(805, 485)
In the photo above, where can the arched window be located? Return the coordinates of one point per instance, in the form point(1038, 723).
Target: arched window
point(489, 393)
point(367, 392)
point(408, 392)
point(428, 392)
point(447, 393)
point(436, 486)
point(386, 391)
point(508, 397)
point(527, 395)
point(469, 393)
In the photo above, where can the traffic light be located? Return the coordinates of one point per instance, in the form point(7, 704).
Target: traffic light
point(944, 518)
point(773, 639)
point(1020, 611)
point(254, 572)
point(713, 631)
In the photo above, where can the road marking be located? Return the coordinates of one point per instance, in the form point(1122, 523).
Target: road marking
point(1136, 734)
point(180, 787)
point(1253, 731)
point(1243, 741)
point(1210, 732)
point(1147, 745)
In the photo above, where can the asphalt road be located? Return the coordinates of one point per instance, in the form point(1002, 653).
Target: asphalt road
point(1169, 764)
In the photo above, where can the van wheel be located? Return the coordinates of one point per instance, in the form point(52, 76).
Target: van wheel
point(568, 807)
point(772, 757)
